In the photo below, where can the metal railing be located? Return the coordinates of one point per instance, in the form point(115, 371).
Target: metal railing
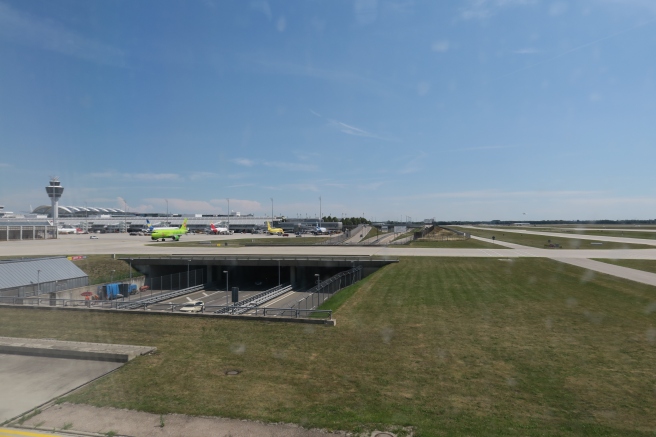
point(326, 289)
point(258, 299)
point(133, 304)
point(176, 281)
point(166, 307)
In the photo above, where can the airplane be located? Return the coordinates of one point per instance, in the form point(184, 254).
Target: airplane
point(318, 230)
point(67, 230)
point(220, 230)
point(274, 231)
point(172, 233)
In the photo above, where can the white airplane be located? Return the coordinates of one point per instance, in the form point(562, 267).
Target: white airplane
point(318, 230)
point(219, 230)
point(66, 229)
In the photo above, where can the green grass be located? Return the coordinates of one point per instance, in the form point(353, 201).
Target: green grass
point(374, 232)
point(610, 233)
point(99, 268)
point(540, 240)
point(449, 346)
point(456, 244)
point(647, 265)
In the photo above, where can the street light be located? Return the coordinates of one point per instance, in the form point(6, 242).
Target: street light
point(318, 287)
point(130, 279)
point(271, 211)
point(86, 216)
point(226, 273)
point(319, 211)
point(228, 199)
point(188, 261)
point(111, 277)
point(167, 209)
point(38, 282)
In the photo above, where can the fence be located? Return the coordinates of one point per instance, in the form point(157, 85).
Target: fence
point(164, 307)
point(176, 281)
point(256, 300)
point(325, 289)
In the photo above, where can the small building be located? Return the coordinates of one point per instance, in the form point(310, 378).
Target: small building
point(30, 277)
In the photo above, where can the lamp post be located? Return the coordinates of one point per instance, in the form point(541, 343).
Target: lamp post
point(130, 279)
point(188, 261)
point(86, 217)
point(228, 199)
point(271, 211)
point(38, 282)
point(167, 209)
point(319, 211)
point(318, 286)
point(226, 273)
point(111, 277)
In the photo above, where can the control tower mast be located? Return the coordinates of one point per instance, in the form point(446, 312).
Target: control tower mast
point(55, 191)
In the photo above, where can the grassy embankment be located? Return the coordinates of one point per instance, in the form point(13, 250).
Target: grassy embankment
point(104, 268)
point(450, 346)
point(583, 231)
point(540, 241)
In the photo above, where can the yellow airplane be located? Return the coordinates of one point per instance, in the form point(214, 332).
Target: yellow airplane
point(274, 231)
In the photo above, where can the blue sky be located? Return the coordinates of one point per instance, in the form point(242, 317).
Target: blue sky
point(458, 110)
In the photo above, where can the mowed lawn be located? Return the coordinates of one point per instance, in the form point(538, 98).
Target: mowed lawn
point(449, 346)
point(540, 241)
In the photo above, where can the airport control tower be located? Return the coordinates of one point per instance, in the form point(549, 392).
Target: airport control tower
point(55, 191)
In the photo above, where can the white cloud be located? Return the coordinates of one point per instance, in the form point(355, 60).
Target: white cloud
point(292, 166)
point(199, 175)
point(526, 51)
point(23, 28)
point(243, 161)
point(262, 6)
point(281, 24)
point(482, 9)
point(4, 165)
point(558, 8)
point(136, 176)
point(366, 11)
point(441, 46)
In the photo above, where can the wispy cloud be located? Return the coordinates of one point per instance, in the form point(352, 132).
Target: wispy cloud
point(499, 194)
point(23, 28)
point(200, 175)
point(466, 149)
point(4, 165)
point(526, 51)
point(244, 161)
point(349, 129)
point(262, 6)
point(482, 9)
point(136, 176)
point(292, 166)
point(441, 46)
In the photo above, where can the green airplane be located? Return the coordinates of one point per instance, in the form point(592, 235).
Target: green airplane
point(172, 233)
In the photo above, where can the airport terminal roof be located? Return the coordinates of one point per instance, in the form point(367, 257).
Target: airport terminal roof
point(77, 210)
point(23, 272)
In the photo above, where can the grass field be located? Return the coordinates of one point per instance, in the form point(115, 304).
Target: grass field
point(540, 240)
point(450, 346)
point(457, 244)
point(100, 267)
point(646, 265)
point(583, 231)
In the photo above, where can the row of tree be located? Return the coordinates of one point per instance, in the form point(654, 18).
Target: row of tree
point(347, 221)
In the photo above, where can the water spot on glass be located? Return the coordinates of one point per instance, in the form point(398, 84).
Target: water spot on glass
point(651, 335)
point(279, 355)
point(587, 276)
point(548, 323)
point(387, 334)
point(238, 348)
point(650, 308)
point(309, 329)
point(511, 382)
point(443, 354)
point(571, 302)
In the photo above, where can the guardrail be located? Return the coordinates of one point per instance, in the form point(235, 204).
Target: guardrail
point(329, 287)
point(166, 307)
point(258, 299)
point(122, 304)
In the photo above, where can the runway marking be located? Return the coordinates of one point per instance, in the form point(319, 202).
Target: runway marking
point(204, 294)
point(13, 433)
point(189, 299)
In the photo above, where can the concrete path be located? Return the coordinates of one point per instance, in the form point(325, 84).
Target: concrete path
point(85, 418)
point(611, 269)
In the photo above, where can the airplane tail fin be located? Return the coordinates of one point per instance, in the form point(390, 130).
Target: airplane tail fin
point(212, 227)
point(150, 227)
point(184, 224)
point(268, 226)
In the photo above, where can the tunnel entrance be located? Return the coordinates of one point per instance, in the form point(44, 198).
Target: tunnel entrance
point(255, 273)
